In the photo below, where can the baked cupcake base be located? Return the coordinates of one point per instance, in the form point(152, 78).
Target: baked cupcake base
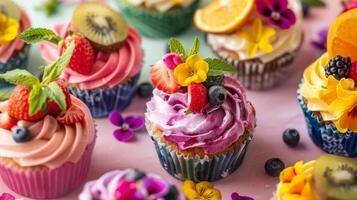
point(42, 183)
point(102, 101)
point(326, 136)
point(194, 165)
point(156, 25)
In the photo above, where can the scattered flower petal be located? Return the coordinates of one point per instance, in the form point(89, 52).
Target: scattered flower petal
point(236, 196)
point(122, 135)
point(276, 12)
point(116, 118)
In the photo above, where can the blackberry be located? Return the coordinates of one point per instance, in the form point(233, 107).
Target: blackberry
point(213, 80)
point(339, 67)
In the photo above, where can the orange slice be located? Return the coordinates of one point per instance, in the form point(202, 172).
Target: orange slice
point(342, 36)
point(223, 16)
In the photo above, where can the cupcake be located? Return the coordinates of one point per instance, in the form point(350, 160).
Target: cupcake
point(105, 66)
point(260, 38)
point(47, 136)
point(159, 18)
point(13, 51)
point(198, 118)
point(328, 177)
point(328, 92)
point(130, 184)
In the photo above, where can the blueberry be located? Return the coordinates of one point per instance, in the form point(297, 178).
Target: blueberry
point(217, 95)
point(145, 90)
point(135, 175)
point(213, 80)
point(274, 166)
point(291, 137)
point(172, 194)
point(21, 135)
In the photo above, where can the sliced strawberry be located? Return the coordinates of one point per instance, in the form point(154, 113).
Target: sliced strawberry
point(163, 78)
point(7, 122)
point(83, 56)
point(353, 72)
point(72, 116)
point(197, 97)
point(53, 109)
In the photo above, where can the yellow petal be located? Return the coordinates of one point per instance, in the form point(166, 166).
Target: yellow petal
point(202, 76)
point(258, 29)
point(265, 46)
point(189, 80)
point(188, 184)
point(252, 50)
point(201, 65)
point(268, 33)
point(212, 194)
point(202, 186)
point(192, 60)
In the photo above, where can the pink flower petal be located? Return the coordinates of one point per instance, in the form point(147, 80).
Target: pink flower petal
point(171, 60)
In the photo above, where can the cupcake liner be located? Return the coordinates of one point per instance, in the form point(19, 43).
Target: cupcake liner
point(326, 136)
point(48, 184)
point(196, 168)
point(17, 61)
point(156, 25)
point(101, 102)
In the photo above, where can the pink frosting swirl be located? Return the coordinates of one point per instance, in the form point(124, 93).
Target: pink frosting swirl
point(213, 131)
point(7, 50)
point(52, 144)
point(110, 69)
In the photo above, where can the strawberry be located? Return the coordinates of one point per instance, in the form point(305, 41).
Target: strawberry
point(83, 55)
point(197, 97)
point(53, 109)
point(18, 106)
point(72, 116)
point(7, 122)
point(163, 78)
point(353, 72)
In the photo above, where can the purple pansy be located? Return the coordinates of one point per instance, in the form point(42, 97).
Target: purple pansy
point(277, 12)
point(127, 125)
point(320, 43)
point(7, 196)
point(171, 60)
point(236, 196)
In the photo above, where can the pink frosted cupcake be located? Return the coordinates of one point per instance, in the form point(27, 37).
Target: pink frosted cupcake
point(46, 135)
point(13, 51)
point(106, 66)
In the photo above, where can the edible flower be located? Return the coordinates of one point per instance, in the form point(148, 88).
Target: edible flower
point(7, 196)
point(194, 70)
point(126, 126)
point(201, 191)
point(8, 29)
point(236, 196)
point(171, 60)
point(258, 39)
point(320, 42)
point(277, 12)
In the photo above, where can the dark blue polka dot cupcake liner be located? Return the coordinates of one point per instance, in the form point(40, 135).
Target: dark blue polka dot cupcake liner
point(326, 136)
point(198, 169)
point(101, 102)
point(18, 61)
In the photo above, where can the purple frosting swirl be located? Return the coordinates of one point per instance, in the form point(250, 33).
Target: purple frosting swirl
point(213, 131)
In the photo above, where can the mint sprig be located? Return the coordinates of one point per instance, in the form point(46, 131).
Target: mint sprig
point(219, 67)
point(20, 77)
point(35, 35)
point(195, 49)
point(177, 47)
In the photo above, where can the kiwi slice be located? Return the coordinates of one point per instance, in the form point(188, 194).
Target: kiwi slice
point(335, 178)
point(103, 26)
point(10, 9)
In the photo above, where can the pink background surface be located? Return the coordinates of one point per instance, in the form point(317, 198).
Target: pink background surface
point(277, 110)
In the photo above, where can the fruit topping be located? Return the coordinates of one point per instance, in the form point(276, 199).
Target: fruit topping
point(163, 78)
point(274, 166)
point(197, 97)
point(103, 26)
point(171, 60)
point(125, 190)
point(10, 9)
point(83, 55)
point(135, 175)
point(338, 67)
point(21, 135)
point(214, 80)
point(72, 116)
point(353, 72)
point(7, 122)
point(53, 108)
point(291, 137)
point(217, 95)
point(145, 90)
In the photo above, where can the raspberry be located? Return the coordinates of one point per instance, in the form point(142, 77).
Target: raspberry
point(353, 72)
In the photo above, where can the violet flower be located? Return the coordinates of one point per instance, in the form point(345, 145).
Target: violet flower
point(236, 196)
point(171, 60)
point(7, 196)
point(127, 125)
point(276, 12)
point(320, 43)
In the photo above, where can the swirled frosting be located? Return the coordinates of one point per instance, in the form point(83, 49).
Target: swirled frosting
point(213, 131)
point(161, 5)
point(284, 41)
point(52, 144)
point(7, 50)
point(110, 69)
point(149, 187)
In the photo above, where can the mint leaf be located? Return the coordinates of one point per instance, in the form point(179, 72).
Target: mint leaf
point(20, 77)
point(37, 100)
point(195, 47)
point(55, 93)
point(219, 67)
point(35, 35)
point(177, 47)
point(313, 2)
point(54, 70)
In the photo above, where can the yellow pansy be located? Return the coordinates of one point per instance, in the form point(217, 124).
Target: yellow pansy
point(8, 29)
point(201, 191)
point(195, 70)
point(258, 38)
